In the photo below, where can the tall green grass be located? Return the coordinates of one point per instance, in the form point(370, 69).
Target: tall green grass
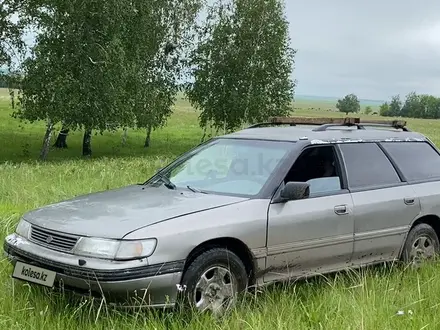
point(364, 299)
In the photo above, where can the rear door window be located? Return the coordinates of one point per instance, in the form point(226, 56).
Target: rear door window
point(417, 161)
point(367, 166)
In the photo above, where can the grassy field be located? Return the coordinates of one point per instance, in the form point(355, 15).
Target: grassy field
point(366, 299)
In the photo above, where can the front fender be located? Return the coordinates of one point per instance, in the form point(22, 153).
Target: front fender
point(176, 238)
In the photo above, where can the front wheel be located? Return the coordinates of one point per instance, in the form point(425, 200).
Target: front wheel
point(421, 244)
point(213, 280)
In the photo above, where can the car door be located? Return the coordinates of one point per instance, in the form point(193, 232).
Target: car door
point(384, 206)
point(314, 234)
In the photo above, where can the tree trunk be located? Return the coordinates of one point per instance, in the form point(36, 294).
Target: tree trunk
point(124, 136)
point(147, 139)
point(204, 134)
point(46, 141)
point(61, 141)
point(87, 143)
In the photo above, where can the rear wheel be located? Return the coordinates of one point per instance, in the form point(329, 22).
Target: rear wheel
point(213, 280)
point(421, 244)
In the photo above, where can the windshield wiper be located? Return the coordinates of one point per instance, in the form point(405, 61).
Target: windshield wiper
point(196, 190)
point(167, 182)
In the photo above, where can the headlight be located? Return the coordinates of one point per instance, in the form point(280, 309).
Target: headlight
point(114, 249)
point(23, 228)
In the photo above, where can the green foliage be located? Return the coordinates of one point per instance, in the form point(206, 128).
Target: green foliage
point(101, 65)
point(158, 33)
point(395, 106)
point(349, 104)
point(384, 109)
point(242, 65)
point(77, 72)
point(12, 46)
point(415, 106)
point(11, 30)
point(368, 110)
point(412, 106)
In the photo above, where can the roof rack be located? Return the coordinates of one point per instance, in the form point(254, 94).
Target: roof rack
point(327, 122)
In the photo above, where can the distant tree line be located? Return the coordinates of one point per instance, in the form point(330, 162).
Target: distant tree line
point(414, 106)
point(104, 65)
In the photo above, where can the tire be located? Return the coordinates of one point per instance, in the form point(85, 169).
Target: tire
point(421, 243)
point(210, 278)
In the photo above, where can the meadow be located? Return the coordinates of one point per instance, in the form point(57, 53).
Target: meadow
point(376, 298)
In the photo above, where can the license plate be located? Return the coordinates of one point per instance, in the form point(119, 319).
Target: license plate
point(34, 274)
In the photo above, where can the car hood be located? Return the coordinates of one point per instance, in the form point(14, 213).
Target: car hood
point(115, 213)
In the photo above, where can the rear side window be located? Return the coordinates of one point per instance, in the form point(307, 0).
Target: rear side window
point(367, 166)
point(416, 160)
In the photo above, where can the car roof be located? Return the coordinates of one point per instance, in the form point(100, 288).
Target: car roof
point(334, 134)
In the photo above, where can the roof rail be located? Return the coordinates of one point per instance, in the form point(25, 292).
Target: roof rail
point(327, 122)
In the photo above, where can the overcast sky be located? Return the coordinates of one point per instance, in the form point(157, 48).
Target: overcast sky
point(374, 48)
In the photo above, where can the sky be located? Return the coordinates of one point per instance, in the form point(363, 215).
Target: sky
point(375, 48)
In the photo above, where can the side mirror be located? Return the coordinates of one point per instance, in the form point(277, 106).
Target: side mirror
point(294, 191)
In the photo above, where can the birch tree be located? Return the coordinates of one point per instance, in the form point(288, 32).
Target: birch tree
point(159, 34)
point(77, 73)
point(12, 25)
point(243, 64)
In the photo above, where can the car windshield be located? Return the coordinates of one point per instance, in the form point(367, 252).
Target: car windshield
point(229, 166)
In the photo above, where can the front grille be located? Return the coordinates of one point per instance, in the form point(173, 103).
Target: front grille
point(52, 239)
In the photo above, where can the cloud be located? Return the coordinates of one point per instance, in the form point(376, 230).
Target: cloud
point(374, 48)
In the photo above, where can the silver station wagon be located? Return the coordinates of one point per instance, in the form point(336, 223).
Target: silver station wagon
point(290, 198)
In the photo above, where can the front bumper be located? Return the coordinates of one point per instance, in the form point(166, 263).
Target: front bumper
point(156, 285)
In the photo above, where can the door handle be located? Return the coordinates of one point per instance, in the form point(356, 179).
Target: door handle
point(341, 209)
point(409, 200)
